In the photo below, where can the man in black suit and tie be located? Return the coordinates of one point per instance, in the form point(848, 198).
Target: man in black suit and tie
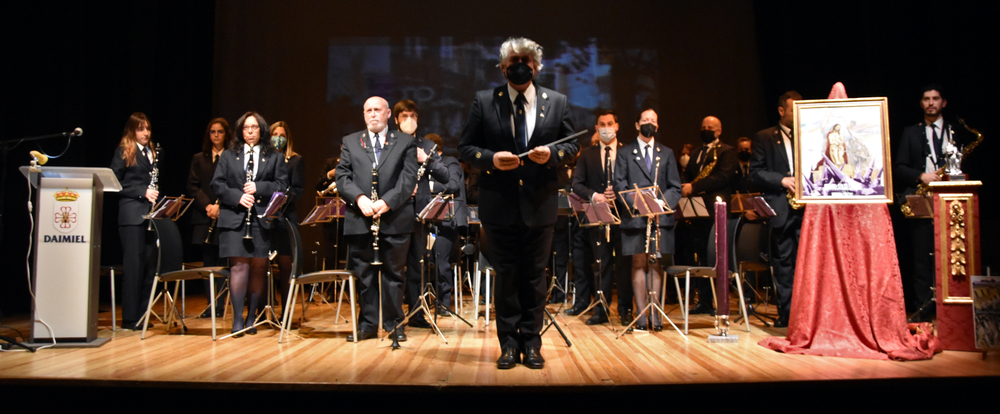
point(710, 176)
point(518, 199)
point(772, 168)
point(406, 120)
point(919, 155)
point(593, 180)
point(394, 156)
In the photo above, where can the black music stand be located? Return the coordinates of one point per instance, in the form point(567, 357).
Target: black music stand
point(646, 202)
point(602, 214)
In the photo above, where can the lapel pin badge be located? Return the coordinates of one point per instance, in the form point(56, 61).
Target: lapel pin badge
point(545, 96)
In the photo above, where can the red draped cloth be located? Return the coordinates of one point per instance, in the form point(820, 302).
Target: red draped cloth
point(847, 298)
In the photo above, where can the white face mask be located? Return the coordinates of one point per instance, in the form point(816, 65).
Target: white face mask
point(409, 126)
point(607, 134)
point(684, 160)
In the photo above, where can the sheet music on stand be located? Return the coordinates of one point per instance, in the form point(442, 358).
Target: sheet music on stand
point(474, 215)
point(645, 202)
point(692, 207)
point(762, 208)
point(326, 210)
point(170, 207)
point(741, 202)
point(274, 206)
point(440, 208)
point(590, 214)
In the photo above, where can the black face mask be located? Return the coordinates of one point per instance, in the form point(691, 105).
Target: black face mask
point(707, 136)
point(744, 155)
point(648, 130)
point(519, 73)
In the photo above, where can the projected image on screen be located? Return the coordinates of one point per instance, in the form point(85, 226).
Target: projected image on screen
point(443, 76)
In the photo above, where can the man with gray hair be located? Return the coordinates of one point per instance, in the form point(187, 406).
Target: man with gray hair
point(518, 197)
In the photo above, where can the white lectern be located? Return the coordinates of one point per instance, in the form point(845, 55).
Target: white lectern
point(67, 248)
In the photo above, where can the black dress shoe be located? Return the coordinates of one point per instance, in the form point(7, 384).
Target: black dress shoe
point(782, 322)
point(657, 327)
point(574, 311)
point(400, 335)
point(362, 335)
point(419, 323)
point(533, 359)
point(509, 358)
point(626, 317)
point(702, 309)
point(555, 300)
point(597, 319)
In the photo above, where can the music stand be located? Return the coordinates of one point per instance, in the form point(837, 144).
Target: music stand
point(692, 207)
point(440, 208)
point(169, 207)
point(601, 214)
point(645, 202)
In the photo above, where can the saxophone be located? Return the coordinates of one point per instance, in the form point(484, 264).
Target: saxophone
point(923, 189)
point(708, 167)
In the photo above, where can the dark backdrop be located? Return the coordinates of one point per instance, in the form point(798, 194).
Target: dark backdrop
point(185, 63)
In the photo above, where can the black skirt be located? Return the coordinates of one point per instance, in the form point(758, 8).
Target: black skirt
point(232, 243)
point(634, 241)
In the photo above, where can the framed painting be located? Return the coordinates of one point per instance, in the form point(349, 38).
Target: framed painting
point(842, 152)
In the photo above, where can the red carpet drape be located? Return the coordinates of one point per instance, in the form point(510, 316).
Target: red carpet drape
point(848, 295)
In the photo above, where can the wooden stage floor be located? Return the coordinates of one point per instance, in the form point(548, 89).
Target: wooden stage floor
point(596, 361)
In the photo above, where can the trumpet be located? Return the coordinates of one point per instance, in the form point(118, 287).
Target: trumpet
point(248, 235)
point(376, 221)
point(211, 226)
point(154, 181)
point(331, 189)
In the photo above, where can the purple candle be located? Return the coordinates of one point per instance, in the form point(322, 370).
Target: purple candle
point(722, 259)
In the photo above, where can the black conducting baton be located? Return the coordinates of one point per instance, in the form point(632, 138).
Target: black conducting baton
point(525, 154)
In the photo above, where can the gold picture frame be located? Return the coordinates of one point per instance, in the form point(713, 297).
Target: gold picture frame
point(842, 152)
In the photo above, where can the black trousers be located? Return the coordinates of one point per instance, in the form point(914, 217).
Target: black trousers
point(786, 240)
point(518, 254)
point(139, 265)
point(392, 253)
point(416, 252)
point(443, 250)
point(922, 242)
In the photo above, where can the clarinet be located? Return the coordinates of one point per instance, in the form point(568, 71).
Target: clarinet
point(656, 178)
point(377, 221)
point(154, 180)
point(423, 167)
point(247, 235)
point(211, 227)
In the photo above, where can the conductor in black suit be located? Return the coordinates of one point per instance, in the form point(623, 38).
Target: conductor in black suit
point(394, 155)
point(593, 180)
point(708, 177)
point(772, 169)
point(518, 198)
point(133, 166)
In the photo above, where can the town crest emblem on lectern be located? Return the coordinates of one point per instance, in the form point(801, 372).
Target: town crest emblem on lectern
point(66, 210)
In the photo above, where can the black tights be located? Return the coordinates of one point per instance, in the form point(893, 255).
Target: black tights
point(246, 280)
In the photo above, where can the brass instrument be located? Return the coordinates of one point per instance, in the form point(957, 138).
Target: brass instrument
point(423, 167)
point(923, 189)
point(708, 167)
point(211, 227)
point(794, 202)
point(330, 189)
point(376, 221)
point(154, 180)
point(248, 235)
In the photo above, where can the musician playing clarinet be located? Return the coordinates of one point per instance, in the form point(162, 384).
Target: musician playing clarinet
point(383, 219)
point(248, 173)
point(644, 163)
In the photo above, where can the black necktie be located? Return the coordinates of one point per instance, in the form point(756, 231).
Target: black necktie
point(607, 165)
point(520, 124)
point(937, 146)
point(145, 153)
point(378, 148)
point(250, 163)
point(215, 159)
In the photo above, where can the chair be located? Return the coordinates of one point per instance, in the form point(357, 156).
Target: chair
point(170, 268)
point(749, 257)
point(111, 271)
point(687, 272)
point(298, 280)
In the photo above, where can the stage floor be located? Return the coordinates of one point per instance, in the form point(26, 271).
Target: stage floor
point(322, 356)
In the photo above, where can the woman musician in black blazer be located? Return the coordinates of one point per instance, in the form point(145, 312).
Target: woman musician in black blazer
point(206, 204)
point(133, 166)
point(241, 200)
point(281, 139)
